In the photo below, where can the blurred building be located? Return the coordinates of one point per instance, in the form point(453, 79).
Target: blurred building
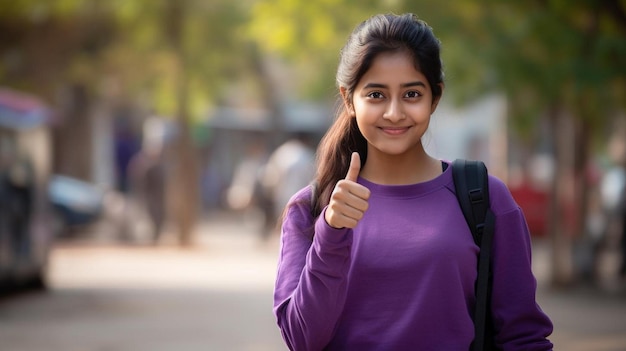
point(231, 132)
point(474, 131)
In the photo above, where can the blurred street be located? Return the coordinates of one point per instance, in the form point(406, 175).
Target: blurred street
point(216, 296)
point(108, 296)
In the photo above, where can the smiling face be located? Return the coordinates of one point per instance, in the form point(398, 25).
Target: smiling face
point(392, 104)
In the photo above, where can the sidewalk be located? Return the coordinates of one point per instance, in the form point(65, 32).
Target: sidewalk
point(585, 318)
point(136, 296)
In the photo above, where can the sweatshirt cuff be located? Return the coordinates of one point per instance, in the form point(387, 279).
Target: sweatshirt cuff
point(326, 234)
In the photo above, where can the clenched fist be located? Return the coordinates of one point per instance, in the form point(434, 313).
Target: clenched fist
point(349, 199)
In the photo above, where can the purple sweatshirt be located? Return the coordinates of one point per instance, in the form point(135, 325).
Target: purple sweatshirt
point(403, 278)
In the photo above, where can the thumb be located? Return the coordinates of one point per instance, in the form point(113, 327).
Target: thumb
point(355, 167)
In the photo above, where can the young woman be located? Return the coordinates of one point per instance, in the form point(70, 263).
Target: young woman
point(378, 256)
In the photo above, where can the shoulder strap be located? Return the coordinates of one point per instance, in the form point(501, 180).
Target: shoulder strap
point(472, 190)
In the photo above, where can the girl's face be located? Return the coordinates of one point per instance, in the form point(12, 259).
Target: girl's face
point(392, 104)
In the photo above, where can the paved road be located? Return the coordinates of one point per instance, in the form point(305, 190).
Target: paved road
point(109, 297)
point(216, 296)
point(585, 318)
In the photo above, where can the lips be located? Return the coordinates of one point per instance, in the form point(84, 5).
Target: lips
point(394, 130)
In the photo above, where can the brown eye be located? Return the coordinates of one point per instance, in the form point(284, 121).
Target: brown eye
point(375, 95)
point(413, 94)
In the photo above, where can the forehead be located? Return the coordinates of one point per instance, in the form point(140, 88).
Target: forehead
point(391, 68)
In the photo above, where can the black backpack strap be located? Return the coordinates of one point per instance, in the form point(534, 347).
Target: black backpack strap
point(472, 191)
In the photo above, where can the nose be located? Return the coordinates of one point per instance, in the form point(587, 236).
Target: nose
point(394, 112)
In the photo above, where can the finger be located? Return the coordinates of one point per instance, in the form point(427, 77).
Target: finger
point(355, 212)
point(360, 192)
point(352, 194)
point(343, 217)
point(355, 167)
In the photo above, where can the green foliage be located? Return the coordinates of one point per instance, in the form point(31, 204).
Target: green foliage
point(125, 45)
point(539, 53)
point(309, 34)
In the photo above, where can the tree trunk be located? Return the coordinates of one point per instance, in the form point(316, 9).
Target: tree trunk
point(583, 145)
point(73, 148)
point(185, 177)
point(186, 173)
point(269, 95)
point(562, 191)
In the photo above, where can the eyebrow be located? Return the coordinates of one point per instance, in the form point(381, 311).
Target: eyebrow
point(404, 85)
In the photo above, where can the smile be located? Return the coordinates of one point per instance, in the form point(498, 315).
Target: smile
point(394, 130)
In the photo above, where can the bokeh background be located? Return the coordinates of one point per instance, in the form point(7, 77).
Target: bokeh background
point(151, 123)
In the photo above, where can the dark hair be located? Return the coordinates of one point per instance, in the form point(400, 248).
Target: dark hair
point(376, 35)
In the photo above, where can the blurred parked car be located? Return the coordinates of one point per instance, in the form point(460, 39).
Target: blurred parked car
point(25, 234)
point(76, 203)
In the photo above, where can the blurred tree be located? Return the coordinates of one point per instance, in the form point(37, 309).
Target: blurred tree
point(188, 51)
point(167, 57)
point(309, 34)
point(561, 62)
point(47, 50)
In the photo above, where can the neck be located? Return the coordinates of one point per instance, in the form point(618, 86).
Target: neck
point(408, 168)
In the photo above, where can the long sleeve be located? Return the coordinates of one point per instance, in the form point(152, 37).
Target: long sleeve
point(519, 322)
point(311, 280)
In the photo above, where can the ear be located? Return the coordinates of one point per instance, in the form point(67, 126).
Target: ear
point(346, 101)
point(433, 106)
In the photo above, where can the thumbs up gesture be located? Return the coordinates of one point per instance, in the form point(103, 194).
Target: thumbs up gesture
point(349, 200)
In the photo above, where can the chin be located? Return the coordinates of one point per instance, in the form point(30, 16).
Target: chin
point(394, 151)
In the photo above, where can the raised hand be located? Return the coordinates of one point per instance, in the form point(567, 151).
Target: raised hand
point(349, 199)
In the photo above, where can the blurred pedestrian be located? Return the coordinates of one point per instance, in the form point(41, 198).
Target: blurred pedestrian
point(148, 176)
point(126, 145)
point(377, 255)
point(244, 194)
point(241, 192)
point(613, 195)
point(290, 167)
